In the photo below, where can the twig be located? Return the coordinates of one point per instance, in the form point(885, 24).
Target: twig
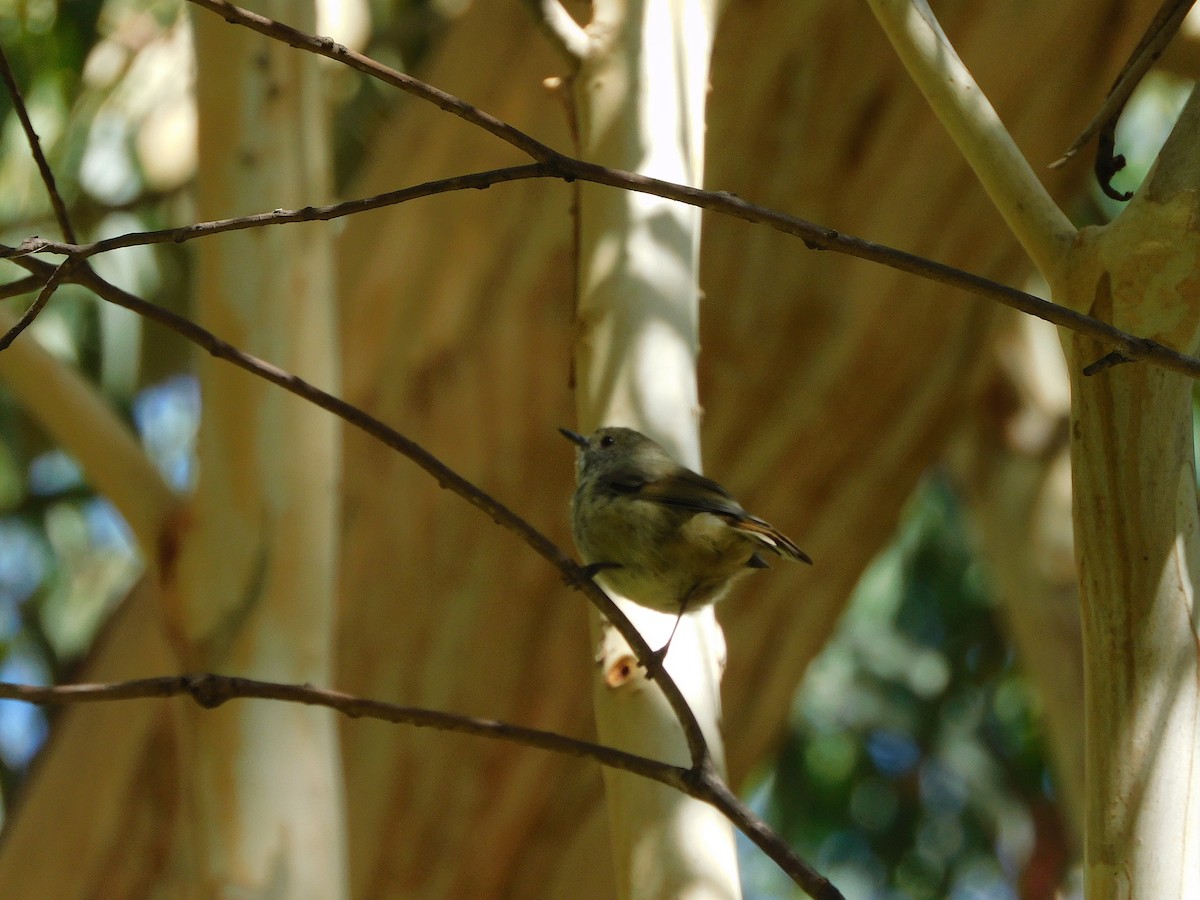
point(35, 147)
point(716, 792)
point(819, 237)
point(21, 286)
point(701, 772)
point(183, 234)
point(330, 49)
point(569, 169)
point(57, 277)
point(1108, 361)
point(67, 407)
point(210, 691)
point(446, 477)
point(1163, 27)
point(56, 201)
point(814, 235)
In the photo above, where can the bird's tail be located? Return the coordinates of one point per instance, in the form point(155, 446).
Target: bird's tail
point(772, 538)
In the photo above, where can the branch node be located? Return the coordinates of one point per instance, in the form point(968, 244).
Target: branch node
point(31, 244)
point(1108, 361)
point(210, 691)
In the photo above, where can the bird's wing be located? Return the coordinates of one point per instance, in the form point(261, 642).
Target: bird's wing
point(688, 490)
point(683, 490)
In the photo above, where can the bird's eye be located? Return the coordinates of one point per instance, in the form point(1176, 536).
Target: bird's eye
point(607, 441)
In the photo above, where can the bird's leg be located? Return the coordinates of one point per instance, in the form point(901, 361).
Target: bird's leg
point(658, 657)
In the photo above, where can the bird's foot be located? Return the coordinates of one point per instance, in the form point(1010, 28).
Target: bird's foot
point(654, 662)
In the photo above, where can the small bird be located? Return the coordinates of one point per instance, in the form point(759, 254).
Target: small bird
point(666, 537)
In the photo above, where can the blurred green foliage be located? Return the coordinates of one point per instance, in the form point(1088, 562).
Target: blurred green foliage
point(108, 86)
point(65, 556)
point(915, 767)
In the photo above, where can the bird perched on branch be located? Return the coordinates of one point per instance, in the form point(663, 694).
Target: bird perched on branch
point(665, 537)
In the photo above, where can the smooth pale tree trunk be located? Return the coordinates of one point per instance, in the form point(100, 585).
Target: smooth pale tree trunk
point(640, 97)
point(253, 590)
point(1137, 537)
point(1132, 459)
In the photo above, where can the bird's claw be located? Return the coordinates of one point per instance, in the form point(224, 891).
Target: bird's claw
point(654, 662)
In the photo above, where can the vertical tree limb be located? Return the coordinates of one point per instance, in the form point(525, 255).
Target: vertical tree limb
point(1137, 536)
point(253, 591)
point(640, 98)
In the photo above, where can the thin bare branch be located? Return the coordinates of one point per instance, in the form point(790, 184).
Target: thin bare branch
point(210, 691)
point(64, 403)
point(699, 781)
point(330, 49)
point(572, 573)
point(567, 168)
point(21, 286)
point(66, 406)
point(183, 234)
point(1163, 27)
point(822, 238)
point(714, 791)
point(35, 147)
point(57, 277)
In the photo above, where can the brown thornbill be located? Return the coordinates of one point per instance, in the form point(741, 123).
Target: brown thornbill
point(664, 536)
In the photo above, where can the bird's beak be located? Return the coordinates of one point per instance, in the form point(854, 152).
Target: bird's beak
point(574, 436)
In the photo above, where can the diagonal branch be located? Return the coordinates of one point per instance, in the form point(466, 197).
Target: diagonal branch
point(210, 691)
point(185, 233)
point(1163, 27)
point(1040, 224)
point(700, 780)
point(330, 49)
point(64, 404)
point(716, 792)
point(52, 284)
point(1032, 215)
point(56, 201)
point(1130, 347)
point(572, 573)
point(35, 147)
